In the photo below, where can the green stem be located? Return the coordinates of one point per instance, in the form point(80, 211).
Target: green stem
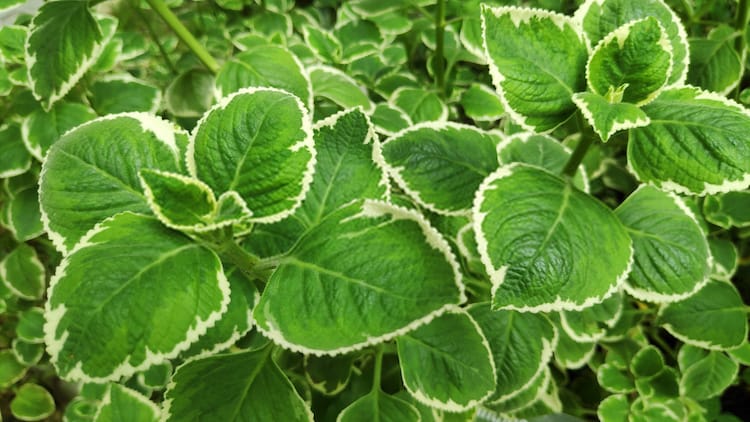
point(440, 47)
point(577, 157)
point(377, 368)
point(179, 29)
point(242, 259)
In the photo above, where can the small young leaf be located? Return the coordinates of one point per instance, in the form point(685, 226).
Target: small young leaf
point(570, 353)
point(606, 117)
point(614, 379)
point(421, 105)
point(694, 144)
point(537, 61)
point(30, 325)
point(157, 376)
point(43, 128)
point(614, 408)
point(23, 273)
point(329, 375)
point(102, 297)
point(398, 274)
point(591, 324)
point(16, 159)
point(389, 119)
point(534, 230)
point(124, 93)
point(695, 320)
point(12, 39)
point(725, 258)
point(121, 404)
point(714, 63)
point(672, 258)
point(440, 166)
point(709, 376)
point(647, 363)
point(11, 370)
point(324, 44)
point(379, 407)
point(190, 93)
point(481, 103)
point(32, 403)
point(335, 85)
point(27, 354)
point(268, 159)
point(728, 210)
point(246, 386)
point(447, 364)
point(24, 218)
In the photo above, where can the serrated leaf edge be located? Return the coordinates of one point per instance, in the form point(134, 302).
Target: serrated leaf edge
point(107, 400)
point(617, 125)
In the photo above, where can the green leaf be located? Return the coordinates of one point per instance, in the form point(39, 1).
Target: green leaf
point(398, 274)
point(123, 93)
point(190, 93)
point(91, 173)
point(481, 103)
point(714, 63)
point(537, 61)
point(542, 151)
point(379, 407)
point(526, 397)
point(741, 354)
point(12, 39)
point(30, 325)
point(328, 375)
point(28, 354)
point(323, 44)
point(121, 404)
point(606, 117)
point(521, 345)
point(11, 370)
point(421, 105)
point(23, 215)
point(245, 386)
point(632, 63)
point(725, 257)
point(695, 320)
point(104, 321)
point(672, 259)
point(727, 210)
point(447, 364)
point(157, 376)
point(440, 165)
point(335, 85)
point(389, 119)
point(16, 159)
point(591, 324)
point(265, 66)
point(614, 408)
point(80, 410)
point(570, 353)
point(709, 376)
point(344, 167)
point(696, 143)
point(534, 229)
point(614, 379)
point(23, 273)
point(647, 363)
point(32, 403)
point(64, 41)
point(43, 128)
point(601, 17)
point(259, 143)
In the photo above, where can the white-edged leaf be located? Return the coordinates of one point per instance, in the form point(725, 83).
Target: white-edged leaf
point(122, 404)
point(715, 65)
point(42, 128)
point(124, 93)
point(607, 118)
point(16, 158)
point(421, 105)
point(335, 85)
point(23, 273)
point(377, 406)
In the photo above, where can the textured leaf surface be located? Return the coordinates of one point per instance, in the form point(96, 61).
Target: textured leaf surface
point(537, 61)
point(91, 173)
point(601, 17)
point(632, 62)
point(379, 407)
point(672, 259)
point(245, 386)
point(607, 118)
point(121, 404)
point(398, 273)
point(533, 231)
point(441, 165)
point(104, 320)
point(696, 143)
point(521, 345)
point(259, 143)
point(64, 41)
point(23, 273)
point(447, 364)
point(695, 319)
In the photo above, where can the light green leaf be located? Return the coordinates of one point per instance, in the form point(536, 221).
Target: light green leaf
point(709, 376)
point(344, 168)
point(64, 41)
point(11, 370)
point(447, 364)
point(91, 173)
point(614, 379)
point(190, 93)
point(110, 51)
point(537, 61)
point(695, 320)
point(570, 353)
point(591, 324)
point(379, 407)
point(398, 274)
point(632, 63)
point(614, 408)
point(714, 63)
point(245, 386)
point(23, 215)
point(534, 229)
point(524, 398)
point(323, 44)
point(600, 17)
point(542, 151)
point(607, 118)
point(32, 403)
point(23, 273)
point(122, 404)
point(741, 354)
point(521, 345)
point(359, 38)
point(648, 362)
point(28, 354)
point(16, 159)
point(43, 128)
point(696, 143)
point(104, 321)
point(440, 165)
point(156, 377)
point(265, 66)
point(421, 105)
point(268, 157)
point(335, 85)
point(80, 410)
point(12, 39)
point(725, 257)
point(672, 258)
point(389, 119)
point(727, 210)
point(30, 325)
point(123, 93)
point(481, 103)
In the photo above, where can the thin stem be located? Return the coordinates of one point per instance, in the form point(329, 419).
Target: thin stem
point(179, 29)
point(377, 368)
point(577, 157)
point(440, 47)
point(242, 259)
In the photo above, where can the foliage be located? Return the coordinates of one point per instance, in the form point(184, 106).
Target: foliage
point(374, 210)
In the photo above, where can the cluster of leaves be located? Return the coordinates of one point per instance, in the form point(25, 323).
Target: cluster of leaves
point(374, 210)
